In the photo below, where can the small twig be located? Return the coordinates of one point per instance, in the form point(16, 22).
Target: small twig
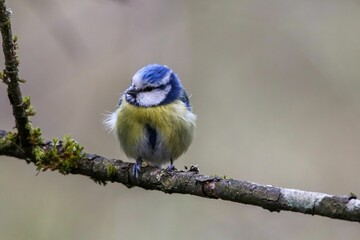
point(11, 78)
point(191, 182)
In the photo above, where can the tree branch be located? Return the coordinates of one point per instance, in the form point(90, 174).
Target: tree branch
point(191, 182)
point(11, 78)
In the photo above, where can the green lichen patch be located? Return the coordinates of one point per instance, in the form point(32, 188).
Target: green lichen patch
point(111, 171)
point(35, 138)
point(15, 40)
point(16, 47)
point(62, 156)
point(29, 109)
point(38, 153)
point(8, 140)
point(4, 77)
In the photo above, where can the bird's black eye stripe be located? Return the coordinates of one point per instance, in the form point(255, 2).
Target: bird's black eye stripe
point(147, 89)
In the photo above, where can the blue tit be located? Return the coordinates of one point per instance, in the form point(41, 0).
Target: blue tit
point(153, 122)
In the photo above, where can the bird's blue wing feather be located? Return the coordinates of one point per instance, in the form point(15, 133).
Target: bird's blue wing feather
point(185, 99)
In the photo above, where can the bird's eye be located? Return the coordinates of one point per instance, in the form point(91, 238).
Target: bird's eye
point(148, 89)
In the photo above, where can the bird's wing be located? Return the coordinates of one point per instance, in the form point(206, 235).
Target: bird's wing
point(185, 99)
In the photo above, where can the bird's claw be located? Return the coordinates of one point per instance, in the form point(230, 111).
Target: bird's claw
point(137, 169)
point(170, 168)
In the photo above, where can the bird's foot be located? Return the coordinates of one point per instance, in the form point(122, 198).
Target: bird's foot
point(137, 168)
point(170, 168)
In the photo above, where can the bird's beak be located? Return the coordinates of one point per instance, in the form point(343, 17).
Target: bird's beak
point(132, 91)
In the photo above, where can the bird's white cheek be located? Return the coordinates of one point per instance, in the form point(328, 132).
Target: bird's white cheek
point(152, 98)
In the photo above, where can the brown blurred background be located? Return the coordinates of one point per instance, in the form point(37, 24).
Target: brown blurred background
point(275, 85)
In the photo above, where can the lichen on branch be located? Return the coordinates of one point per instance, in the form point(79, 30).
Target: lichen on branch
point(67, 157)
point(59, 155)
point(11, 78)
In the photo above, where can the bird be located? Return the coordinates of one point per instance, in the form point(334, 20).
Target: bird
point(153, 121)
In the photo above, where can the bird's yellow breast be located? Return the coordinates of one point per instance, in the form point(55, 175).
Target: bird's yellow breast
point(174, 125)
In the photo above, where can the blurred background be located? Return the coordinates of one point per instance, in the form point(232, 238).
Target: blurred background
point(275, 85)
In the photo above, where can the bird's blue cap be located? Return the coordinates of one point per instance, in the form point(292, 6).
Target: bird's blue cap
point(153, 73)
